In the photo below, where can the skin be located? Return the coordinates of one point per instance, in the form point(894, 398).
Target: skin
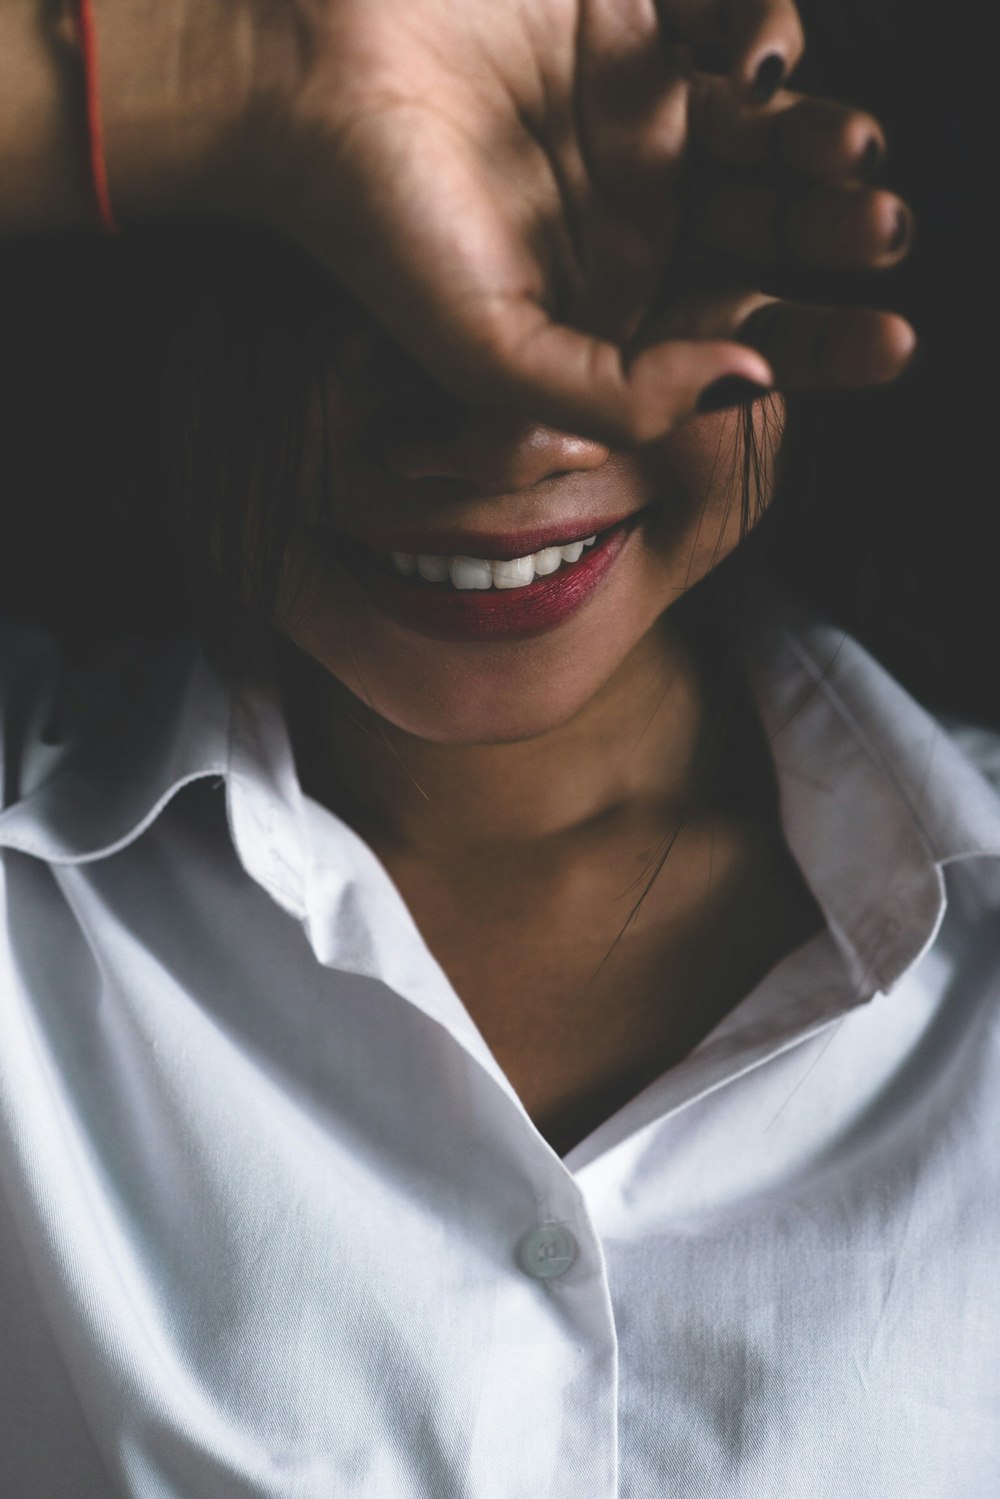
point(520, 793)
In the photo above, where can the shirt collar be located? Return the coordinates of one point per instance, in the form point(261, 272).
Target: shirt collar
point(132, 730)
point(875, 797)
point(138, 726)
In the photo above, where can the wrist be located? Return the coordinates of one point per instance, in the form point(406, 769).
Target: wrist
point(174, 88)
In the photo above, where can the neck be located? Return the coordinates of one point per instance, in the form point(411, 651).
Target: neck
point(637, 745)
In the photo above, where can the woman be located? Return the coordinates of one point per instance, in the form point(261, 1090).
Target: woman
point(512, 1013)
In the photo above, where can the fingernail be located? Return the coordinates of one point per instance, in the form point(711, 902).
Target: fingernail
point(731, 390)
point(901, 230)
point(870, 158)
point(767, 78)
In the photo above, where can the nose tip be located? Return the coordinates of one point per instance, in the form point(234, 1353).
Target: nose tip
point(490, 451)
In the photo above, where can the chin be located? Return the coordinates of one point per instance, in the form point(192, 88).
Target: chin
point(478, 692)
point(474, 697)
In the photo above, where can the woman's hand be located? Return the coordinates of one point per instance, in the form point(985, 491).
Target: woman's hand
point(549, 204)
point(517, 190)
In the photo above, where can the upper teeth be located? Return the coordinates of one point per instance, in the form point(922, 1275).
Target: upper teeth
point(484, 572)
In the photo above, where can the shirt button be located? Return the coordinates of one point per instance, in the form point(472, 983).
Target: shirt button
point(547, 1250)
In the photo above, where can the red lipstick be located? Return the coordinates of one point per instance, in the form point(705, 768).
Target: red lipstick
point(447, 613)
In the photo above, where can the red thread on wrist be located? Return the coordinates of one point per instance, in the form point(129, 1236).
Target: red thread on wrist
point(86, 33)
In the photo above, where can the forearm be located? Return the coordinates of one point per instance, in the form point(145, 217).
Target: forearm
point(175, 80)
point(42, 165)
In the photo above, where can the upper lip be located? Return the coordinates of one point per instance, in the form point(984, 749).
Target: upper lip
point(497, 546)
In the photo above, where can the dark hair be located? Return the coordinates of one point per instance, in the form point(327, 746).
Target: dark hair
point(241, 373)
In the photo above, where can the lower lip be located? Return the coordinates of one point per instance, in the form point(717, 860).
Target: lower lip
point(491, 613)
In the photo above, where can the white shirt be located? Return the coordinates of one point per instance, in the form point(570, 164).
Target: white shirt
point(275, 1225)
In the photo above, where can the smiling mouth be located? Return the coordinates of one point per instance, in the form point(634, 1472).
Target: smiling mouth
point(511, 604)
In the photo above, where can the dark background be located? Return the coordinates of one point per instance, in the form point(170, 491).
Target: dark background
point(886, 521)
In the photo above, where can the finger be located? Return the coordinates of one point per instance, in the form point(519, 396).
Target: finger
point(819, 348)
point(822, 227)
point(818, 138)
point(631, 102)
point(584, 384)
point(505, 351)
point(762, 39)
point(767, 41)
point(825, 140)
point(807, 347)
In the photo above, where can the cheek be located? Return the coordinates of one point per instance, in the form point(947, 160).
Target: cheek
point(713, 481)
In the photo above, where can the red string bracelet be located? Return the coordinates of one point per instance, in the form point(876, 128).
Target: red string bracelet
point(86, 33)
